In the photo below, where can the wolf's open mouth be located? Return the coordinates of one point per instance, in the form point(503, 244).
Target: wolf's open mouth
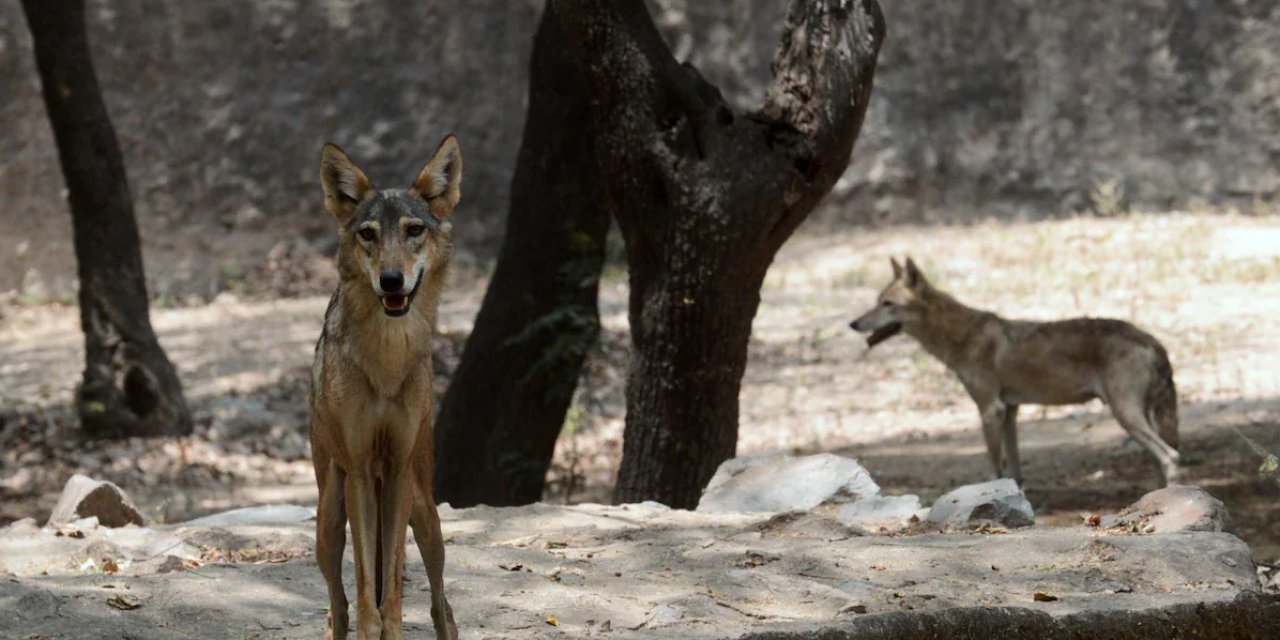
point(883, 333)
point(397, 304)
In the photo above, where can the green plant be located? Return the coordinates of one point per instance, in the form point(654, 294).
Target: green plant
point(1270, 462)
point(1108, 197)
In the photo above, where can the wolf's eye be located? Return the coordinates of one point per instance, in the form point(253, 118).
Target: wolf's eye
point(886, 303)
point(368, 234)
point(414, 230)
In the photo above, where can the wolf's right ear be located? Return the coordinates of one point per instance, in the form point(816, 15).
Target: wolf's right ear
point(440, 180)
point(345, 185)
point(897, 268)
point(914, 277)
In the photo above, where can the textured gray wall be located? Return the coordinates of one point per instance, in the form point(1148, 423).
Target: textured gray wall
point(1005, 108)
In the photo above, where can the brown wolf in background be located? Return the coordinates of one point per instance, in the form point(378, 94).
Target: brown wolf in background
point(1005, 363)
point(371, 395)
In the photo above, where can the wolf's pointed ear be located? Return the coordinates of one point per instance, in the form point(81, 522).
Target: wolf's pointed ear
point(345, 185)
point(914, 277)
point(439, 181)
point(897, 268)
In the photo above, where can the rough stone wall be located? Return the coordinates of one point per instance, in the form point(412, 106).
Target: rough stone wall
point(1008, 109)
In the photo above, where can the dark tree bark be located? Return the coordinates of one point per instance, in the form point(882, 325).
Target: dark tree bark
point(507, 401)
point(705, 197)
point(130, 388)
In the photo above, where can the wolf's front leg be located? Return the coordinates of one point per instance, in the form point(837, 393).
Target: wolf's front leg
point(993, 413)
point(1012, 467)
point(331, 538)
point(426, 532)
point(362, 508)
point(397, 500)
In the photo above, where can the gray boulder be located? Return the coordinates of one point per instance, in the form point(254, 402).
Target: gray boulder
point(778, 483)
point(84, 497)
point(999, 501)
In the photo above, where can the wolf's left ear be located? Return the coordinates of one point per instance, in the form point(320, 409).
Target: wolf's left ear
point(897, 268)
point(439, 181)
point(914, 277)
point(345, 185)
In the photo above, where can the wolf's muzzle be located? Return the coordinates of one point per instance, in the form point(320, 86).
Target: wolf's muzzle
point(395, 303)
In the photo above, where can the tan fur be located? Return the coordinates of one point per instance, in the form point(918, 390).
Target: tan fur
point(371, 398)
point(1006, 363)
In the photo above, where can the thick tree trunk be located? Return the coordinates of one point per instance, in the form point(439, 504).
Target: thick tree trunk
point(705, 197)
point(507, 401)
point(130, 388)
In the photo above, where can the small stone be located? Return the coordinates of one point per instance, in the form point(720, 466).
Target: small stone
point(84, 497)
point(998, 501)
point(890, 512)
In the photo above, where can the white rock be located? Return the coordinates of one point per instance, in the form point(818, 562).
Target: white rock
point(84, 497)
point(266, 514)
point(999, 501)
point(873, 512)
point(780, 483)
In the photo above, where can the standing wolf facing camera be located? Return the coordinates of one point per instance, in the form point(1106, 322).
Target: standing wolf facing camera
point(371, 392)
point(1006, 363)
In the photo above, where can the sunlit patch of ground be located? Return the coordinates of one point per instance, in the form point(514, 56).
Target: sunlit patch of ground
point(1208, 286)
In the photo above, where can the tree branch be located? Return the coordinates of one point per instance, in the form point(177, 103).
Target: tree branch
point(822, 77)
point(823, 69)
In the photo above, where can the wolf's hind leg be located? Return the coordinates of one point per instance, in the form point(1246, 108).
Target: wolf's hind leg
point(1012, 467)
point(1130, 414)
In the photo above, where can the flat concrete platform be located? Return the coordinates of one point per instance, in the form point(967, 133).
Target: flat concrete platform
point(641, 571)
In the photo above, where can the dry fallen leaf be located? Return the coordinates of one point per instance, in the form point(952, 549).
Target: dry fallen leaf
point(1091, 519)
point(1041, 596)
point(68, 531)
point(122, 603)
point(110, 566)
point(551, 620)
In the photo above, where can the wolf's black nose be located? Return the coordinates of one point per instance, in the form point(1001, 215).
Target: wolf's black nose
point(391, 281)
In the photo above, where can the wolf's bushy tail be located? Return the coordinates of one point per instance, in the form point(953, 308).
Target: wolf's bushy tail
point(1162, 401)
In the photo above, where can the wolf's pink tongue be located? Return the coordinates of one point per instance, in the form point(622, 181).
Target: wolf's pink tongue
point(393, 303)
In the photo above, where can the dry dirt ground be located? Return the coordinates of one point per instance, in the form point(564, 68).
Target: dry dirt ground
point(1208, 286)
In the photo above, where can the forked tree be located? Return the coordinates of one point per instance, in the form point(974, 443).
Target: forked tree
point(129, 388)
point(508, 397)
point(704, 197)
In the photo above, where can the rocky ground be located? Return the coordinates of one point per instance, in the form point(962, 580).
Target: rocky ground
point(630, 571)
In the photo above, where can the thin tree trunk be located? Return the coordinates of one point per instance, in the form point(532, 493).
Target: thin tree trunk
point(704, 198)
point(507, 401)
point(130, 388)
